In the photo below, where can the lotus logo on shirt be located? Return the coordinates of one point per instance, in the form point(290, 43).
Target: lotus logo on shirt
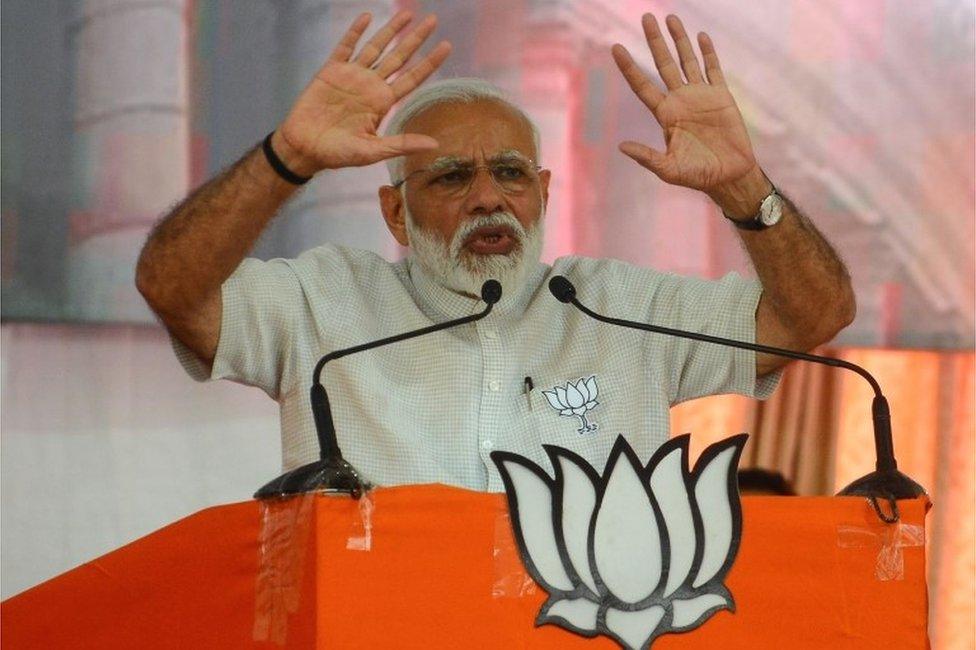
point(638, 552)
point(575, 400)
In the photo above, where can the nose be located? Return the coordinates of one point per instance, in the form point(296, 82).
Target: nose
point(484, 196)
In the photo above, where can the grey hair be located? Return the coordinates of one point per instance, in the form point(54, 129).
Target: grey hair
point(461, 90)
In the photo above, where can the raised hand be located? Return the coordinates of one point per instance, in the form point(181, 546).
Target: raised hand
point(334, 122)
point(708, 147)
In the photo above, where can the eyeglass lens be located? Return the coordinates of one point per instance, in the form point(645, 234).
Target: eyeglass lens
point(509, 176)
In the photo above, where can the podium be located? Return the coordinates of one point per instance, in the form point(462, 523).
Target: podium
point(432, 566)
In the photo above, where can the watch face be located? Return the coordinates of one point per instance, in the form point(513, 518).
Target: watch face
point(771, 210)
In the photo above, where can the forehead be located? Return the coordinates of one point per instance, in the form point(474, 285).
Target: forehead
point(474, 130)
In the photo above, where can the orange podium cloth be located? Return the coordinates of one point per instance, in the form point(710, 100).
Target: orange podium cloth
point(435, 567)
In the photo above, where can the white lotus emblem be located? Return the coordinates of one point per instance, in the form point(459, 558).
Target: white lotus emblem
point(575, 399)
point(636, 553)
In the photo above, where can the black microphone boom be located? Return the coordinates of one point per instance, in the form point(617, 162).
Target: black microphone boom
point(886, 482)
point(332, 473)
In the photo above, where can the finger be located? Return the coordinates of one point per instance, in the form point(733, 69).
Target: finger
point(372, 50)
point(644, 88)
point(406, 48)
point(404, 144)
point(416, 75)
point(347, 45)
point(686, 53)
point(712, 67)
point(666, 67)
point(648, 158)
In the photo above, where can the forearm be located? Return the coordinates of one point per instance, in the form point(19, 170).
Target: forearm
point(807, 296)
point(804, 281)
point(199, 243)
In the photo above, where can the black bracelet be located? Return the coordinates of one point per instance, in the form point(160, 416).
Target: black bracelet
point(280, 168)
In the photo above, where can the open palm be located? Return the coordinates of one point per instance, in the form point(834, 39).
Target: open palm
point(707, 142)
point(334, 122)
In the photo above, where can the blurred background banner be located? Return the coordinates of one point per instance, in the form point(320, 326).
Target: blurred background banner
point(862, 111)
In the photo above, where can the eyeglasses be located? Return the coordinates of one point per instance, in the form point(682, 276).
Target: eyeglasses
point(453, 178)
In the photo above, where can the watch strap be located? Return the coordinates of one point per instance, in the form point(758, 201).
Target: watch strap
point(756, 222)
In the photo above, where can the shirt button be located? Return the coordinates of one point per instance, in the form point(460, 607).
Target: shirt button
point(495, 385)
point(491, 334)
point(486, 445)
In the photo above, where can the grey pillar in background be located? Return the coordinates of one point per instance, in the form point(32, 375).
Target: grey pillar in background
point(131, 146)
point(554, 90)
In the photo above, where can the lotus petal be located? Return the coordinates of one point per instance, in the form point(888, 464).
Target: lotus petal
point(591, 387)
point(715, 503)
point(590, 405)
point(580, 410)
point(669, 489)
point(532, 501)
point(574, 398)
point(626, 538)
point(634, 629)
point(566, 412)
point(579, 613)
point(688, 613)
point(578, 503)
point(580, 385)
point(561, 396)
point(553, 400)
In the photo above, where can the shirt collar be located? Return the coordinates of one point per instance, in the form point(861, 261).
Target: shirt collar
point(440, 303)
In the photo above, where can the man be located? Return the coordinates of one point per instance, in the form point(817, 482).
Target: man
point(756, 481)
point(468, 198)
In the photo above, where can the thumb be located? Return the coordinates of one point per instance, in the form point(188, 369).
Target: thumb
point(647, 157)
point(406, 143)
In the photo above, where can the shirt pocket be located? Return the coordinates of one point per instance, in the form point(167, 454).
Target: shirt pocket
point(542, 422)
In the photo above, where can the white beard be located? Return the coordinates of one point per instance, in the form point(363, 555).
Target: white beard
point(457, 269)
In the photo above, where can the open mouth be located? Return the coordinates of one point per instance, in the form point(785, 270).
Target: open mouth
point(492, 240)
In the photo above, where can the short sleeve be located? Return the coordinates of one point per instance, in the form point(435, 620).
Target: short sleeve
point(261, 303)
point(725, 308)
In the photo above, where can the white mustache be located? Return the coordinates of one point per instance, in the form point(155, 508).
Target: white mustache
point(460, 270)
point(488, 220)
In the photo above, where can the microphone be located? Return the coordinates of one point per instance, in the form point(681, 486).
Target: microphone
point(332, 473)
point(886, 482)
point(562, 289)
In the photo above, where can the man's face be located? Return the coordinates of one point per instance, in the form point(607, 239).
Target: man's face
point(472, 208)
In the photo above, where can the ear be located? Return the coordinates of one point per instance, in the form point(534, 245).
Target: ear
point(394, 213)
point(544, 177)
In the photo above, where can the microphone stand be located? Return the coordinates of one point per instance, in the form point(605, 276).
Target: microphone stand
point(332, 473)
point(885, 482)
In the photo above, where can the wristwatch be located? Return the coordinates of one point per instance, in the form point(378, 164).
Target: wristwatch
point(770, 212)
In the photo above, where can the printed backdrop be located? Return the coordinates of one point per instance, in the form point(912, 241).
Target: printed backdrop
point(861, 110)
